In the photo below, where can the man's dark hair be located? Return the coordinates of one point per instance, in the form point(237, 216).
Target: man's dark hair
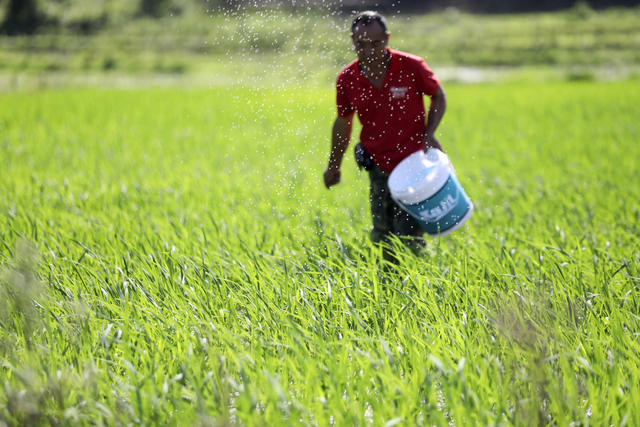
point(367, 17)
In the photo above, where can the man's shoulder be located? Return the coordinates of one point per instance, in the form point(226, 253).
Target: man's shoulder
point(350, 71)
point(406, 58)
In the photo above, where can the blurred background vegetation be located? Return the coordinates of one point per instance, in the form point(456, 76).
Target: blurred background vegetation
point(220, 42)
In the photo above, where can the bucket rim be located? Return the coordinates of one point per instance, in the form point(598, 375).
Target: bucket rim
point(436, 170)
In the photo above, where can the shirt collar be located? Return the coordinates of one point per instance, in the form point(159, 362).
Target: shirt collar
point(394, 63)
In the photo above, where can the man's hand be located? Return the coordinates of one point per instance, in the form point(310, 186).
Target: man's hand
point(331, 177)
point(430, 141)
point(340, 135)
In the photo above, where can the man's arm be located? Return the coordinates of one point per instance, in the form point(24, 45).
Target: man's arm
point(436, 111)
point(340, 136)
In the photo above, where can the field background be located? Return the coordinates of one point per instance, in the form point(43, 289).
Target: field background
point(301, 47)
point(168, 254)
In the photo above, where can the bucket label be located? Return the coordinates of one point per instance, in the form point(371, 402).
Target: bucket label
point(444, 211)
point(436, 213)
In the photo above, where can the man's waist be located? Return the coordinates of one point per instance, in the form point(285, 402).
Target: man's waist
point(387, 160)
point(393, 148)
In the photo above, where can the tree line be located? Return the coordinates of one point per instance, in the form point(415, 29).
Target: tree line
point(26, 16)
point(508, 6)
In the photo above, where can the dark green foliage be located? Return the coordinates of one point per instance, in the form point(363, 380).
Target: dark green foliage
point(89, 24)
point(155, 8)
point(488, 6)
point(22, 17)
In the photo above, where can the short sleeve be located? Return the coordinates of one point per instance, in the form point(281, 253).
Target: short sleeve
point(426, 81)
point(345, 107)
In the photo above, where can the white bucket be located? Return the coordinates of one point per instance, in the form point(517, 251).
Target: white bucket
point(425, 185)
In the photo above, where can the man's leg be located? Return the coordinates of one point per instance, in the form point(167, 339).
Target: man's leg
point(381, 206)
point(389, 219)
point(408, 229)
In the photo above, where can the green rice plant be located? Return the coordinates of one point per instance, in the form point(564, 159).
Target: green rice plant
point(186, 265)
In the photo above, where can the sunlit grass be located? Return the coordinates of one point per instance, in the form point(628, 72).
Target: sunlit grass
point(192, 267)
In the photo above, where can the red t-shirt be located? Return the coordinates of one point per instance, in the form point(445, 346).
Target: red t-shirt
point(393, 117)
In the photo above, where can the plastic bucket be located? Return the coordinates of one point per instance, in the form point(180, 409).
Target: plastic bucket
point(425, 185)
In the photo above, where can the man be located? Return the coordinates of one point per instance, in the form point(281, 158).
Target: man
point(386, 88)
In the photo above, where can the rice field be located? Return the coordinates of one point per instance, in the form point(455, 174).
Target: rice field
point(170, 256)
